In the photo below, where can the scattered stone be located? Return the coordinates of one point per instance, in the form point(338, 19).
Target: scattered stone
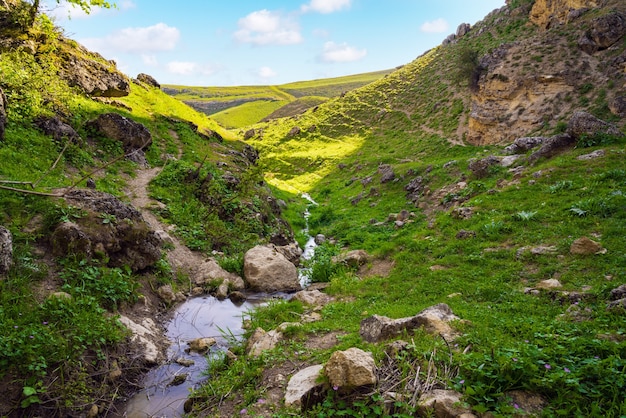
point(185, 362)
point(354, 258)
point(178, 379)
point(303, 386)
point(386, 173)
point(441, 403)
point(250, 133)
point(462, 30)
point(295, 131)
point(144, 334)
point(553, 146)
point(434, 319)
point(480, 168)
point(201, 345)
point(166, 293)
point(575, 313)
point(351, 369)
point(291, 251)
point(617, 305)
point(210, 271)
point(312, 297)
point(522, 145)
point(508, 161)
point(617, 107)
point(463, 234)
point(462, 212)
point(320, 239)
point(237, 297)
point(58, 130)
point(261, 341)
point(115, 372)
point(266, 270)
point(544, 250)
point(6, 250)
point(60, 295)
point(618, 292)
point(549, 284)
point(415, 188)
point(93, 412)
point(604, 31)
point(591, 156)
point(586, 246)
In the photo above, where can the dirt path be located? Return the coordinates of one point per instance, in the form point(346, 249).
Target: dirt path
point(181, 258)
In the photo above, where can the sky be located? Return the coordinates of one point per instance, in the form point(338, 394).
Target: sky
point(264, 42)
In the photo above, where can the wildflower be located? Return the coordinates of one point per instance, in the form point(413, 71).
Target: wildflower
point(243, 411)
point(461, 381)
point(514, 359)
point(45, 322)
point(566, 370)
point(335, 387)
point(526, 341)
point(261, 401)
point(516, 406)
point(15, 326)
point(31, 337)
point(547, 366)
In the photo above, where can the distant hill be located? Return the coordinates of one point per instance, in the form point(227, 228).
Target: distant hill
point(236, 107)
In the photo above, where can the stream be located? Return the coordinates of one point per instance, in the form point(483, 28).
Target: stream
point(164, 397)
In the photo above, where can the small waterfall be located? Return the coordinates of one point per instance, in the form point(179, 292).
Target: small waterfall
point(304, 273)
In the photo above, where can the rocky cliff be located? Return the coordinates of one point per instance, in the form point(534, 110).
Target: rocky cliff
point(575, 58)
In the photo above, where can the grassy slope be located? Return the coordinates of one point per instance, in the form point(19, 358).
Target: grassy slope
point(263, 101)
point(516, 340)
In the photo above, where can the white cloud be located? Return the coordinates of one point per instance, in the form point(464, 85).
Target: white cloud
point(264, 27)
point(150, 60)
point(190, 68)
point(159, 37)
point(334, 52)
point(127, 4)
point(436, 26)
point(325, 6)
point(321, 33)
point(266, 72)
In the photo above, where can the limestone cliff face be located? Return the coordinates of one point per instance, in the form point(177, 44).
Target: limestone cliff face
point(527, 86)
point(546, 11)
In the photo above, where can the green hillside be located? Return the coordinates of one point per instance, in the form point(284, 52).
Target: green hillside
point(409, 166)
point(237, 107)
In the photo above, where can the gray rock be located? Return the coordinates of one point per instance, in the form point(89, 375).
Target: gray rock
point(261, 341)
point(6, 250)
point(320, 239)
point(302, 385)
point(145, 335)
point(354, 258)
point(267, 270)
point(149, 80)
point(522, 145)
point(295, 131)
point(604, 31)
point(386, 173)
point(583, 123)
point(57, 129)
point(201, 345)
point(462, 30)
point(553, 146)
point(441, 403)
point(617, 106)
point(312, 297)
point(351, 369)
point(618, 292)
point(480, 168)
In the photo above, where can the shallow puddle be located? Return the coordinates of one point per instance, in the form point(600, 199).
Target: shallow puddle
point(197, 318)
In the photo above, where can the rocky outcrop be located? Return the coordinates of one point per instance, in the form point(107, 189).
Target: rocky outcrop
point(604, 31)
point(441, 403)
point(386, 173)
point(3, 114)
point(6, 250)
point(149, 80)
point(145, 335)
point(351, 369)
point(524, 144)
point(267, 270)
point(583, 123)
point(107, 229)
point(553, 146)
point(133, 135)
point(93, 74)
point(547, 12)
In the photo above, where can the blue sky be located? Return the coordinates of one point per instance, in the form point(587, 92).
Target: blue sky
point(246, 42)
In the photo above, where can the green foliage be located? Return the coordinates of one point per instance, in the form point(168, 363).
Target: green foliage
point(109, 286)
point(468, 67)
point(321, 264)
point(599, 139)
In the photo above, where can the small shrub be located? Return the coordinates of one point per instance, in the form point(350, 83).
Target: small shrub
point(598, 139)
point(495, 228)
point(561, 186)
point(525, 215)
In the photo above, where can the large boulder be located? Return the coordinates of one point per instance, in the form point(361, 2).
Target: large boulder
point(93, 74)
point(604, 31)
point(133, 135)
point(6, 250)
point(521, 145)
point(553, 146)
point(351, 369)
point(267, 270)
point(3, 114)
point(107, 229)
point(149, 80)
